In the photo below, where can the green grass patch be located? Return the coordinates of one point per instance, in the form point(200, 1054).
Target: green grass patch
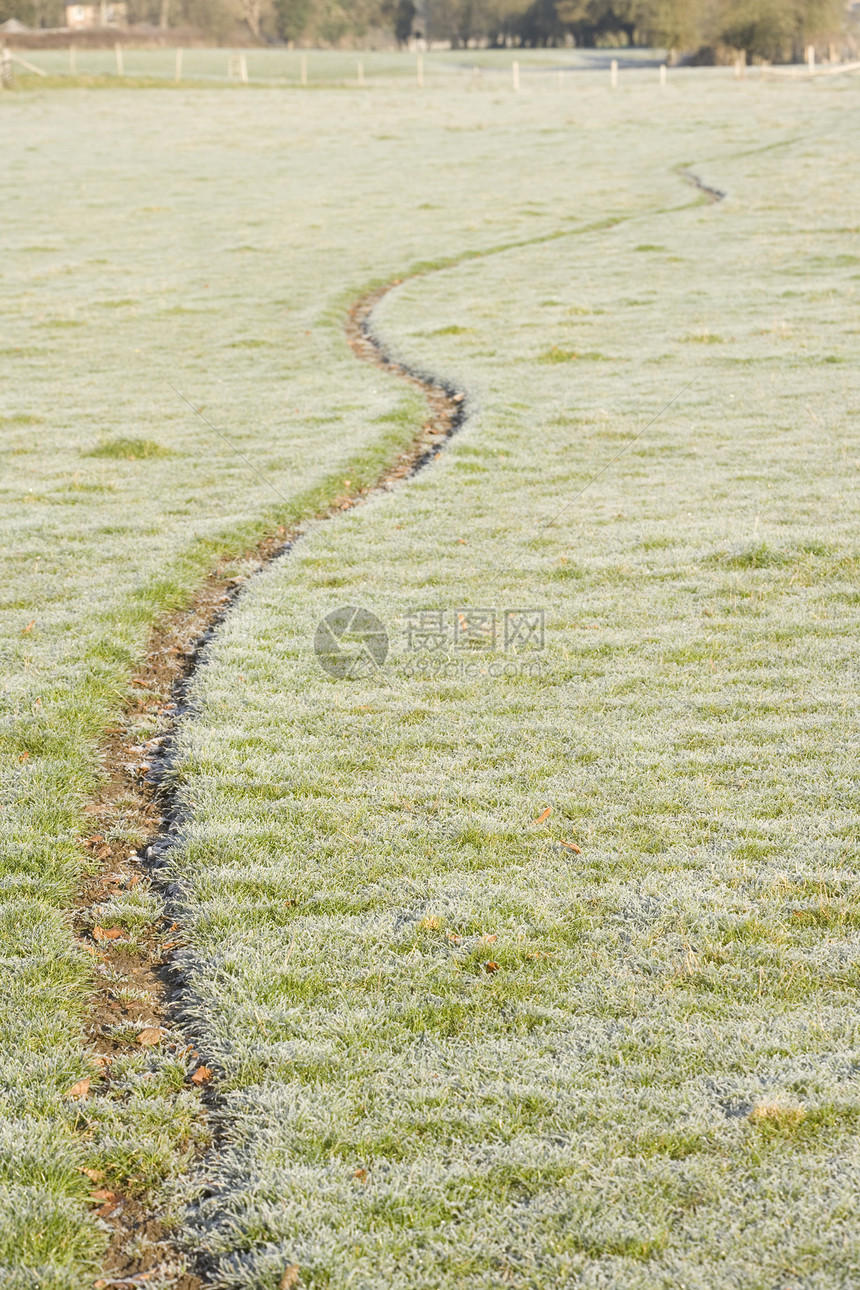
point(129, 450)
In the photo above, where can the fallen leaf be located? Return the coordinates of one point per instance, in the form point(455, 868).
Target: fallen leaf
point(201, 1076)
point(106, 933)
point(133, 880)
point(777, 1114)
point(80, 1089)
point(290, 1277)
point(149, 1036)
point(361, 1175)
point(490, 940)
point(571, 846)
point(543, 815)
point(491, 966)
point(94, 1175)
point(29, 627)
point(104, 1194)
point(93, 951)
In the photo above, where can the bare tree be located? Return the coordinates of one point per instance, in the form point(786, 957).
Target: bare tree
point(251, 14)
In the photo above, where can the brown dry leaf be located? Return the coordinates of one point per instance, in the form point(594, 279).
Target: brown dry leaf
point(777, 1115)
point(94, 1175)
point(491, 966)
point(149, 1036)
point(361, 1175)
point(134, 880)
point(29, 627)
point(106, 933)
point(571, 846)
point(92, 950)
point(290, 1277)
point(544, 815)
point(80, 1089)
point(202, 1075)
point(104, 1194)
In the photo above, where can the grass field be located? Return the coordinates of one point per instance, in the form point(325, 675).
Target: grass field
point(448, 1050)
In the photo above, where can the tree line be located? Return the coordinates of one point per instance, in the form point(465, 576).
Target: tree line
point(775, 30)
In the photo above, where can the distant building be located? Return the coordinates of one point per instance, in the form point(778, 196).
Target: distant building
point(81, 16)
